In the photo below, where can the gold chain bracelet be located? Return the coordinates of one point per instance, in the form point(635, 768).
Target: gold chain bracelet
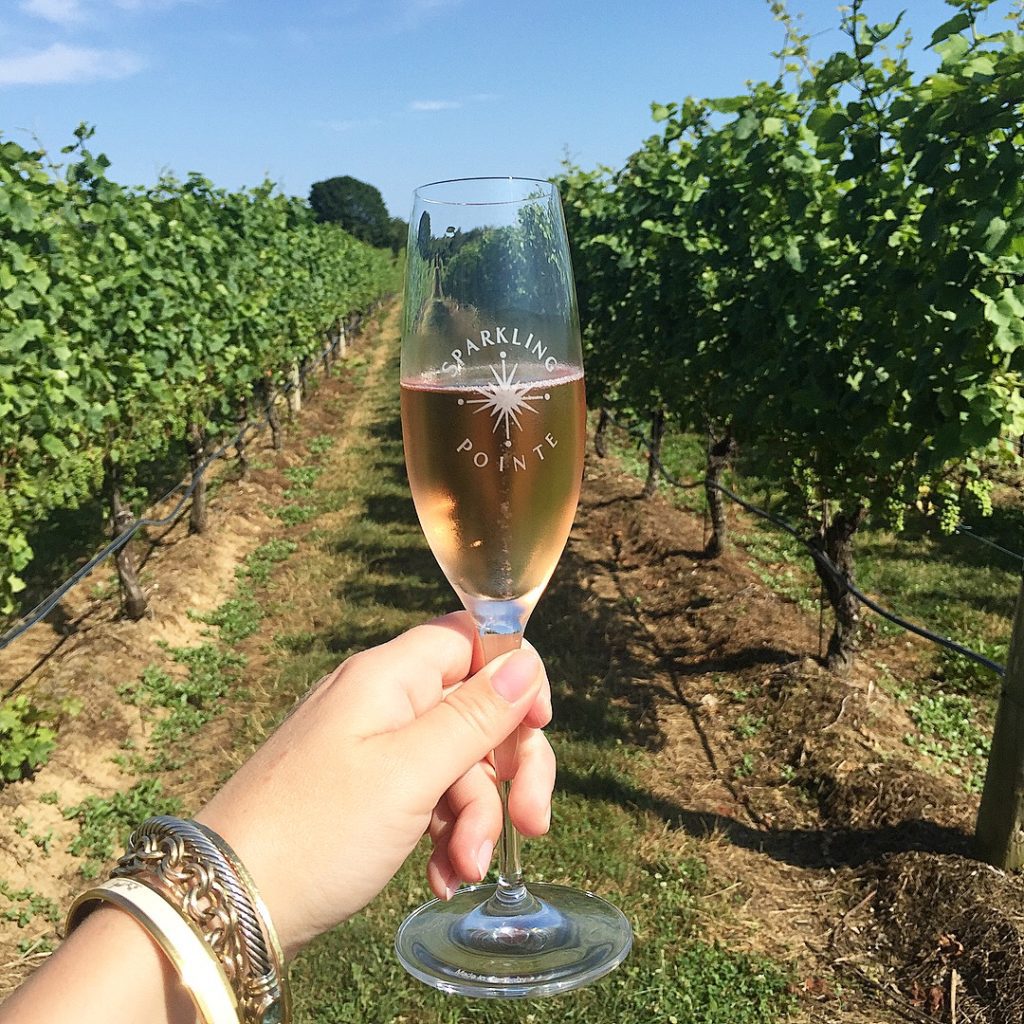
point(195, 871)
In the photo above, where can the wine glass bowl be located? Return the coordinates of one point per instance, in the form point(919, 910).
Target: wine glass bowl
point(494, 423)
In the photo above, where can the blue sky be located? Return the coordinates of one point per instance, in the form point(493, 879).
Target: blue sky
point(394, 92)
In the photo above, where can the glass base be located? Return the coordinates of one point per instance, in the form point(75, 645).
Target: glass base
point(550, 939)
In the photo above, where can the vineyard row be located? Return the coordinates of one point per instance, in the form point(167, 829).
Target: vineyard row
point(133, 321)
point(828, 269)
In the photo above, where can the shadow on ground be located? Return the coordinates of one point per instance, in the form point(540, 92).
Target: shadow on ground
point(806, 848)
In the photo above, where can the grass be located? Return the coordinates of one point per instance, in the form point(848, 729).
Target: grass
point(369, 576)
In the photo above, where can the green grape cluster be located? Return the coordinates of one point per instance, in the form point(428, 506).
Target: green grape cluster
point(981, 491)
point(895, 513)
point(949, 515)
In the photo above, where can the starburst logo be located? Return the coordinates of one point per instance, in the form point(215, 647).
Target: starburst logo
point(506, 399)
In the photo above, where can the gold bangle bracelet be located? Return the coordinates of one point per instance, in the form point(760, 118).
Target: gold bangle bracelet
point(267, 925)
point(188, 865)
point(182, 944)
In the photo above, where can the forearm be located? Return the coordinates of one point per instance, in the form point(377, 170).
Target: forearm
point(109, 971)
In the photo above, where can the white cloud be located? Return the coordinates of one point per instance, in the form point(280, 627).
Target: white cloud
point(67, 12)
point(434, 105)
point(412, 13)
point(345, 126)
point(61, 64)
point(61, 12)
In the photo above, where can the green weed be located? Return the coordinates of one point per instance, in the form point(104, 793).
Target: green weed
point(191, 701)
point(949, 732)
point(302, 478)
point(27, 946)
point(320, 444)
point(293, 515)
point(44, 842)
point(236, 618)
point(104, 822)
point(963, 675)
point(261, 561)
point(25, 905)
point(26, 738)
point(748, 726)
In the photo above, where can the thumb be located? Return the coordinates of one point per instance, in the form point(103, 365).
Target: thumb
point(451, 737)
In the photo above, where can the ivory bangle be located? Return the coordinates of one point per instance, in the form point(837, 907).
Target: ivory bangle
point(198, 968)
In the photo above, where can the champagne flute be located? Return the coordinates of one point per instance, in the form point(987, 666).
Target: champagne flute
point(494, 423)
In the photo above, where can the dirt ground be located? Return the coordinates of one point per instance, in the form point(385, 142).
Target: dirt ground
point(850, 857)
point(847, 857)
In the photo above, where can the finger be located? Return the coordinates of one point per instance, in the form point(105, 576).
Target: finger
point(441, 821)
point(443, 744)
point(442, 648)
point(476, 807)
point(441, 876)
point(415, 667)
point(529, 798)
point(540, 714)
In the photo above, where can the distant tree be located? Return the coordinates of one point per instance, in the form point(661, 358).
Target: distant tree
point(358, 207)
point(424, 242)
point(399, 234)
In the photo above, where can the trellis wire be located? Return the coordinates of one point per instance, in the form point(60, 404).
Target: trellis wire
point(839, 579)
point(48, 603)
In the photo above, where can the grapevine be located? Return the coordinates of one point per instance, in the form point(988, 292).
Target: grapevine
point(133, 319)
point(827, 272)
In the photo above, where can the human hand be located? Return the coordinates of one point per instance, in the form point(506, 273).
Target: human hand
point(392, 744)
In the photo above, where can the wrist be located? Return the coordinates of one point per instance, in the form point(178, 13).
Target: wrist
point(258, 854)
point(112, 971)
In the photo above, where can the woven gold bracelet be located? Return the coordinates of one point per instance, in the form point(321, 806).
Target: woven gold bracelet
point(200, 971)
point(273, 943)
point(198, 874)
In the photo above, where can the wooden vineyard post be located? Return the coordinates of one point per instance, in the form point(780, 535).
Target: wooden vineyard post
point(600, 438)
point(195, 442)
point(269, 392)
point(295, 394)
point(657, 433)
point(999, 835)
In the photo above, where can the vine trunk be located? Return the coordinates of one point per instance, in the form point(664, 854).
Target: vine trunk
point(836, 542)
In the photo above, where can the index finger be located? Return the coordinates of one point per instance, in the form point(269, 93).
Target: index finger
point(418, 666)
point(442, 648)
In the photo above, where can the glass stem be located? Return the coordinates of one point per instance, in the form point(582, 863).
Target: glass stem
point(511, 889)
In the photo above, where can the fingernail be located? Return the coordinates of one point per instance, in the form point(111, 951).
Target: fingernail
point(451, 886)
point(514, 677)
point(483, 857)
